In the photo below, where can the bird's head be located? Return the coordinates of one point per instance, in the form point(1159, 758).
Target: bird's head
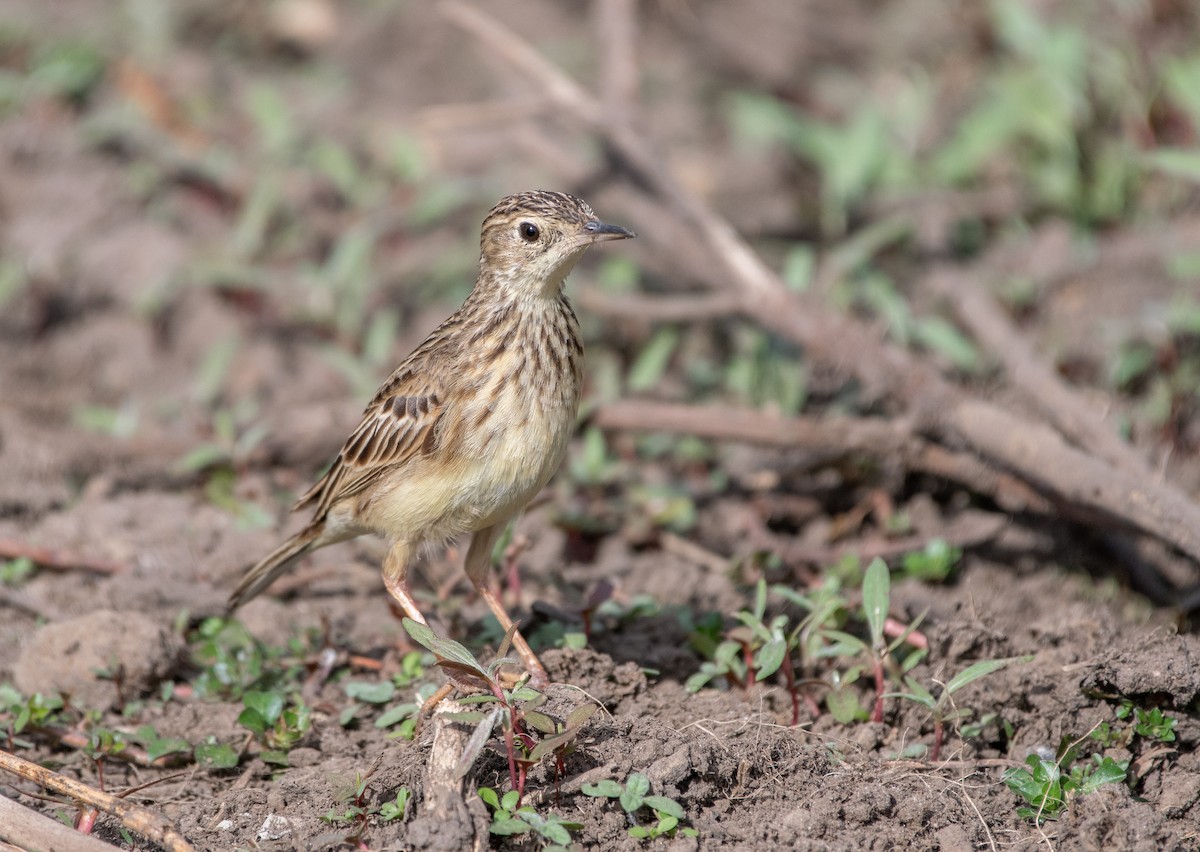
point(532, 240)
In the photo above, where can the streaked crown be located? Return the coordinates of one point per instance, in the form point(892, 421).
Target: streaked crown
point(531, 240)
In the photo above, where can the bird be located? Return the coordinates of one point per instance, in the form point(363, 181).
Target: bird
point(474, 422)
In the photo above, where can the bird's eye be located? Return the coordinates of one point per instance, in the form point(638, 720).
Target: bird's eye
point(528, 231)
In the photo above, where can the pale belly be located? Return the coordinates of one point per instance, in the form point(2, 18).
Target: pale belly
point(493, 476)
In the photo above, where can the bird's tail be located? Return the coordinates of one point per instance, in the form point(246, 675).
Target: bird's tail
point(274, 565)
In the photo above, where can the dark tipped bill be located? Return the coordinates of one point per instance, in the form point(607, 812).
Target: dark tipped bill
point(598, 232)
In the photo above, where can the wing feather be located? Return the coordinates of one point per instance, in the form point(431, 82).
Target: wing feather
point(397, 426)
point(401, 423)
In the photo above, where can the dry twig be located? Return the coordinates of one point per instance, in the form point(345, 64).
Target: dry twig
point(58, 560)
point(144, 821)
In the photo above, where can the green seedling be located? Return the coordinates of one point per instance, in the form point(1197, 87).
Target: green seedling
point(157, 746)
point(397, 808)
point(22, 712)
point(755, 645)
point(14, 572)
point(211, 754)
point(403, 716)
point(509, 818)
point(1047, 786)
point(633, 796)
point(103, 743)
point(515, 709)
point(232, 661)
point(934, 563)
point(1150, 724)
point(876, 592)
point(275, 723)
point(356, 810)
point(942, 708)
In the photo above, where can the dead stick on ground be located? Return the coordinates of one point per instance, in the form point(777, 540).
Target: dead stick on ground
point(148, 823)
point(1071, 412)
point(939, 407)
point(57, 559)
point(875, 437)
point(30, 829)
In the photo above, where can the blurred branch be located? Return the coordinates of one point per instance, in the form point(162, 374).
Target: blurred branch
point(835, 436)
point(634, 306)
point(616, 30)
point(1033, 451)
point(57, 560)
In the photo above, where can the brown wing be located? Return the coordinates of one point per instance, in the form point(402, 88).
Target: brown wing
point(397, 426)
point(401, 422)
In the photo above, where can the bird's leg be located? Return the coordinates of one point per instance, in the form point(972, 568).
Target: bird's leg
point(479, 559)
point(395, 578)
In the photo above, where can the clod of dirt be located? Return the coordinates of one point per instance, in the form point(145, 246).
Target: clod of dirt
point(595, 673)
point(1166, 666)
point(79, 658)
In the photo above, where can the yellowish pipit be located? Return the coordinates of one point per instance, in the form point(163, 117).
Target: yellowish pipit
point(475, 421)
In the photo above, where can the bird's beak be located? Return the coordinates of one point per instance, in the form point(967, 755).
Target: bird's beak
point(596, 231)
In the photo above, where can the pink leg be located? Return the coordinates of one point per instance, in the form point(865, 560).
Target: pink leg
point(395, 578)
point(479, 558)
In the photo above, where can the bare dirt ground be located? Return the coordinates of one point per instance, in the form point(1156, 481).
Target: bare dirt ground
point(186, 287)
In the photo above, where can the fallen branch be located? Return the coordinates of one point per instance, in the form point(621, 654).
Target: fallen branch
point(148, 823)
point(1068, 409)
point(832, 437)
point(58, 560)
point(30, 829)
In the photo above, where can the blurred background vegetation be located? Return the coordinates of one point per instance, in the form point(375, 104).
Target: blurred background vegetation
point(318, 171)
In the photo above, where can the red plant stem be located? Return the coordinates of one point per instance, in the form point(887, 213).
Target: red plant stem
point(85, 822)
point(938, 732)
point(511, 748)
point(790, 677)
point(877, 714)
point(748, 654)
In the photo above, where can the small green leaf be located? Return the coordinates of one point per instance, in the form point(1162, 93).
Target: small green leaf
point(605, 787)
point(489, 797)
point(647, 371)
point(843, 706)
point(216, 756)
point(983, 668)
point(770, 657)
point(396, 714)
point(268, 705)
point(447, 649)
point(876, 591)
point(507, 826)
point(636, 787)
point(372, 693)
point(580, 715)
point(937, 335)
point(540, 721)
point(252, 720)
point(275, 757)
point(663, 805)
point(1107, 771)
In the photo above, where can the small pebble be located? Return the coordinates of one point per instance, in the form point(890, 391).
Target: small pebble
point(274, 827)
